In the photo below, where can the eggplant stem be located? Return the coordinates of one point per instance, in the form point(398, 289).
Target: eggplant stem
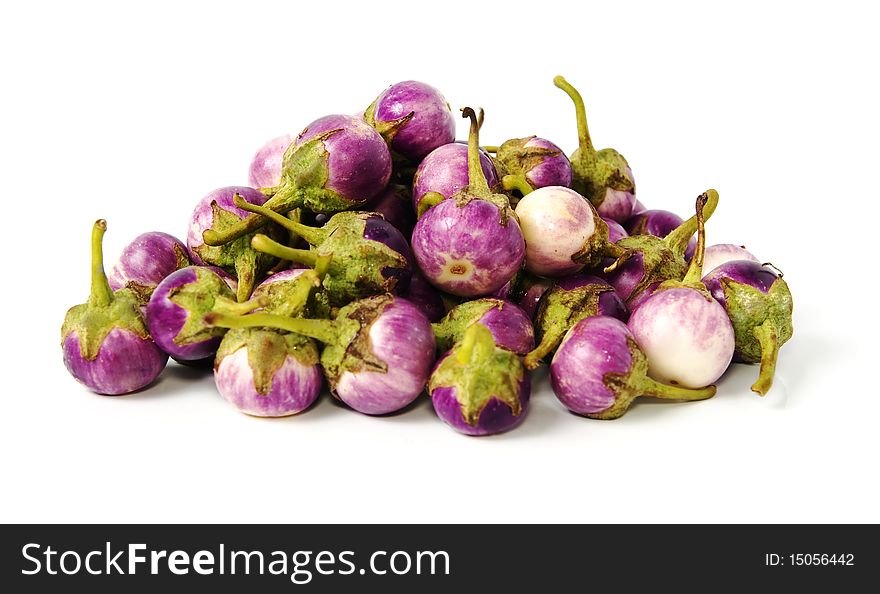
point(101, 294)
point(477, 344)
point(585, 143)
point(769, 338)
point(654, 388)
point(310, 234)
point(264, 244)
point(476, 179)
point(322, 330)
point(695, 268)
point(519, 183)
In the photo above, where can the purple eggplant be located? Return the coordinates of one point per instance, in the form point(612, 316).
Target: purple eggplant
point(367, 254)
point(413, 117)
point(444, 173)
point(424, 296)
point(267, 372)
point(469, 245)
point(569, 301)
point(479, 388)
point(378, 354)
point(218, 212)
point(563, 232)
point(718, 254)
point(602, 176)
point(659, 223)
point(265, 169)
point(616, 232)
point(638, 207)
point(395, 205)
point(510, 327)
point(598, 370)
point(526, 164)
point(105, 342)
point(144, 262)
point(336, 163)
point(176, 308)
point(685, 333)
point(654, 260)
point(759, 305)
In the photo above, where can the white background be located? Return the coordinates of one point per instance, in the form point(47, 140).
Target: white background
point(134, 113)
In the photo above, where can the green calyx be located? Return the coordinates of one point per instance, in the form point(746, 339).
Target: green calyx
point(452, 327)
point(694, 274)
point(267, 350)
point(105, 310)
point(627, 386)
point(762, 323)
point(478, 188)
point(293, 297)
point(144, 292)
point(388, 130)
point(513, 161)
point(558, 311)
point(594, 172)
point(199, 298)
point(479, 371)
point(358, 267)
point(597, 247)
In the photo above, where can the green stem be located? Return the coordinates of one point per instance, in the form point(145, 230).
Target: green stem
point(650, 387)
point(678, 239)
point(476, 179)
point(322, 265)
point(519, 183)
point(283, 201)
point(490, 148)
point(477, 345)
point(585, 143)
point(101, 294)
point(323, 330)
point(429, 201)
point(695, 269)
point(549, 341)
point(310, 234)
point(227, 306)
point(246, 274)
point(264, 244)
point(769, 338)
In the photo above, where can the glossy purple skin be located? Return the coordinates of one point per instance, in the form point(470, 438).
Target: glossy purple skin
point(638, 207)
point(552, 171)
point(531, 297)
point(590, 349)
point(616, 232)
point(445, 171)
point(495, 418)
point(617, 205)
point(660, 223)
point(610, 303)
point(165, 319)
point(465, 250)
point(402, 337)
point(125, 363)
point(148, 259)
point(359, 161)
point(265, 169)
point(203, 216)
point(628, 275)
point(510, 327)
point(424, 296)
point(724, 252)
point(432, 124)
point(396, 209)
point(745, 272)
point(295, 386)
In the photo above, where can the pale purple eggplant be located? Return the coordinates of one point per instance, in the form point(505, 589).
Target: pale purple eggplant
point(759, 305)
point(563, 232)
point(366, 254)
point(567, 302)
point(598, 370)
point(654, 260)
point(478, 388)
point(424, 296)
point(395, 205)
point(176, 308)
point(218, 212)
point(602, 176)
point(105, 343)
point(444, 173)
point(144, 262)
point(616, 232)
point(337, 162)
point(659, 223)
point(685, 333)
point(469, 245)
point(265, 168)
point(718, 254)
point(413, 117)
point(510, 327)
point(378, 351)
point(526, 164)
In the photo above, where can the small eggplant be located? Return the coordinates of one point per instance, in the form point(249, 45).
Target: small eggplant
point(526, 164)
point(444, 173)
point(265, 169)
point(510, 327)
point(144, 262)
point(718, 254)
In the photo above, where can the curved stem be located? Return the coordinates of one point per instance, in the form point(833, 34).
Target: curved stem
point(695, 269)
point(490, 148)
point(246, 274)
point(585, 143)
point(549, 341)
point(101, 293)
point(264, 244)
point(477, 344)
point(650, 387)
point(310, 234)
point(303, 287)
point(323, 330)
point(476, 179)
point(678, 239)
point(519, 183)
point(769, 338)
point(322, 265)
point(429, 201)
point(227, 306)
point(283, 201)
